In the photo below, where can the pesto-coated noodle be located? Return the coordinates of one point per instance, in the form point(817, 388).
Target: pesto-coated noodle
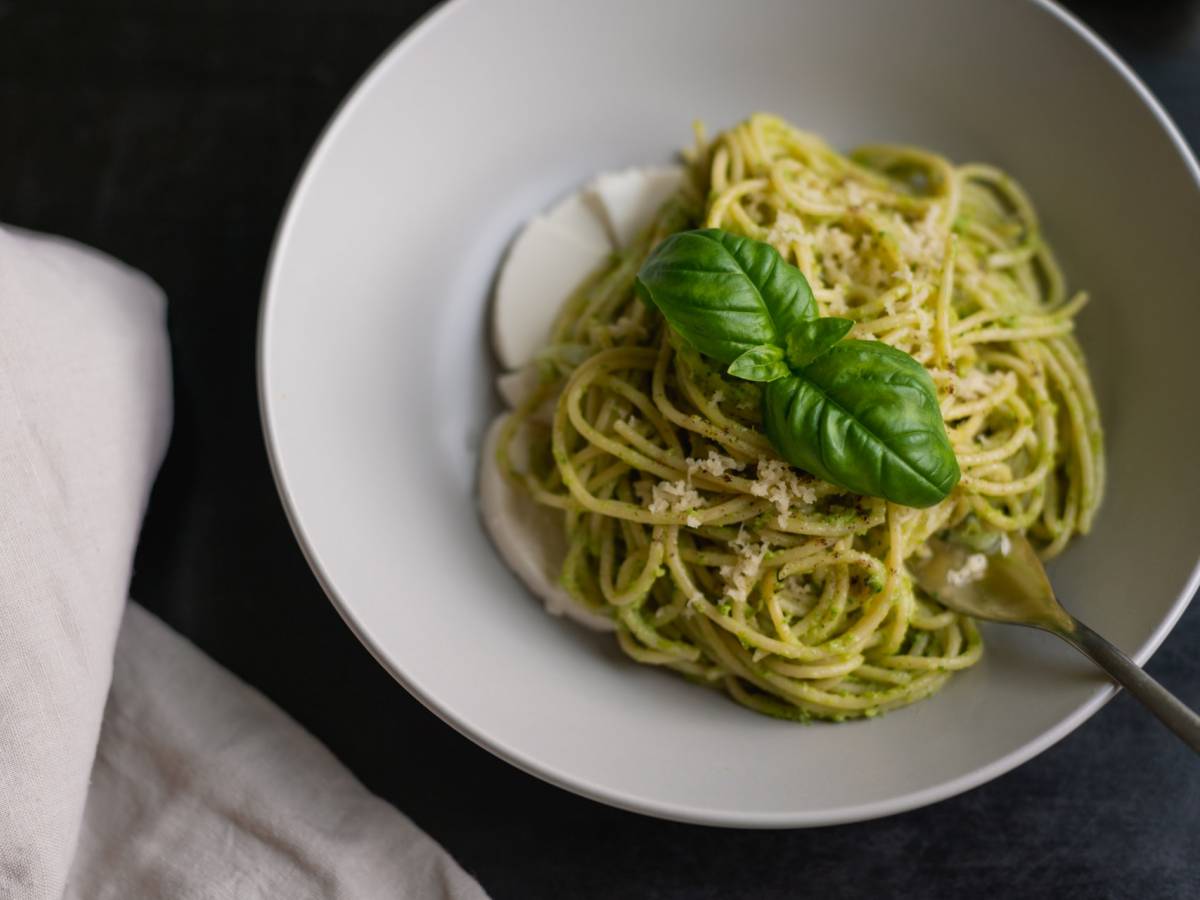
point(718, 560)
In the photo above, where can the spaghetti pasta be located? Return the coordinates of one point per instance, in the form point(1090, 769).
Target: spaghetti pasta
point(718, 560)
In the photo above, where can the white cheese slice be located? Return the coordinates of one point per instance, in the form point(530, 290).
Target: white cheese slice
point(629, 200)
point(546, 263)
point(528, 536)
point(576, 215)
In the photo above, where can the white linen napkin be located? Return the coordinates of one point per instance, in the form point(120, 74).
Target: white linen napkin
point(195, 785)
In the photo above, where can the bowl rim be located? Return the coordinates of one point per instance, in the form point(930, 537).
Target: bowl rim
point(691, 814)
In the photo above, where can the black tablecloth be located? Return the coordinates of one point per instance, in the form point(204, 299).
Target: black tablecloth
point(169, 133)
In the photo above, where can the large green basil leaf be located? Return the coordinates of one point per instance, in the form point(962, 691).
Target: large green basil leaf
point(723, 293)
point(864, 416)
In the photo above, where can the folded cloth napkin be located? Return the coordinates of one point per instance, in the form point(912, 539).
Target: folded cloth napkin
point(180, 781)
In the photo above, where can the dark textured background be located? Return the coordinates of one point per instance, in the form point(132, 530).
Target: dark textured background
point(168, 134)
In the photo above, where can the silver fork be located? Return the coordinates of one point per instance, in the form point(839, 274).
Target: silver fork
point(1014, 589)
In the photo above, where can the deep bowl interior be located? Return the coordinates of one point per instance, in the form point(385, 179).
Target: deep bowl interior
point(375, 372)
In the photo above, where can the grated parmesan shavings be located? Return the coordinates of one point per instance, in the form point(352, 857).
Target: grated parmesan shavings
point(715, 464)
point(778, 483)
point(675, 497)
point(741, 576)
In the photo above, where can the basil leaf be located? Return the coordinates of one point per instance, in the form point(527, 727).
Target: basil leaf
point(810, 339)
point(864, 416)
point(723, 293)
point(763, 363)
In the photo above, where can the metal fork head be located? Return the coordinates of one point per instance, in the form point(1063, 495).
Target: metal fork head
point(1008, 585)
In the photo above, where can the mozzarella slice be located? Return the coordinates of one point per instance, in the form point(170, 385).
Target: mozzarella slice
point(545, 264)
point(576, 215)
point(630, 199)
point(528, 536)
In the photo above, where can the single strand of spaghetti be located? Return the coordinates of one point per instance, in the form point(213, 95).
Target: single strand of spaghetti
point(1010, 335)
point(886, 323)
point(676, 567)
point(1052, 274)
point(813, 525)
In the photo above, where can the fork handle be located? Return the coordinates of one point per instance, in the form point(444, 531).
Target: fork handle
point(1170, 710)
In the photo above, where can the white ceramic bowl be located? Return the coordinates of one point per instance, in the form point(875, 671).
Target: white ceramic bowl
point(375, 372)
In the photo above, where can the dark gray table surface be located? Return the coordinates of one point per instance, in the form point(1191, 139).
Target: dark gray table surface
point(168, 134)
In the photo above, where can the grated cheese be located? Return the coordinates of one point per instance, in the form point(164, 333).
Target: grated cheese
point(741, 576)
point(675, 497)
point(777, 482)
point(922, 241)
point(715, 464)
point(787, 229)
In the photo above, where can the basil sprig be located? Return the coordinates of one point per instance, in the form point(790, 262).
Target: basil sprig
point(859, 414)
